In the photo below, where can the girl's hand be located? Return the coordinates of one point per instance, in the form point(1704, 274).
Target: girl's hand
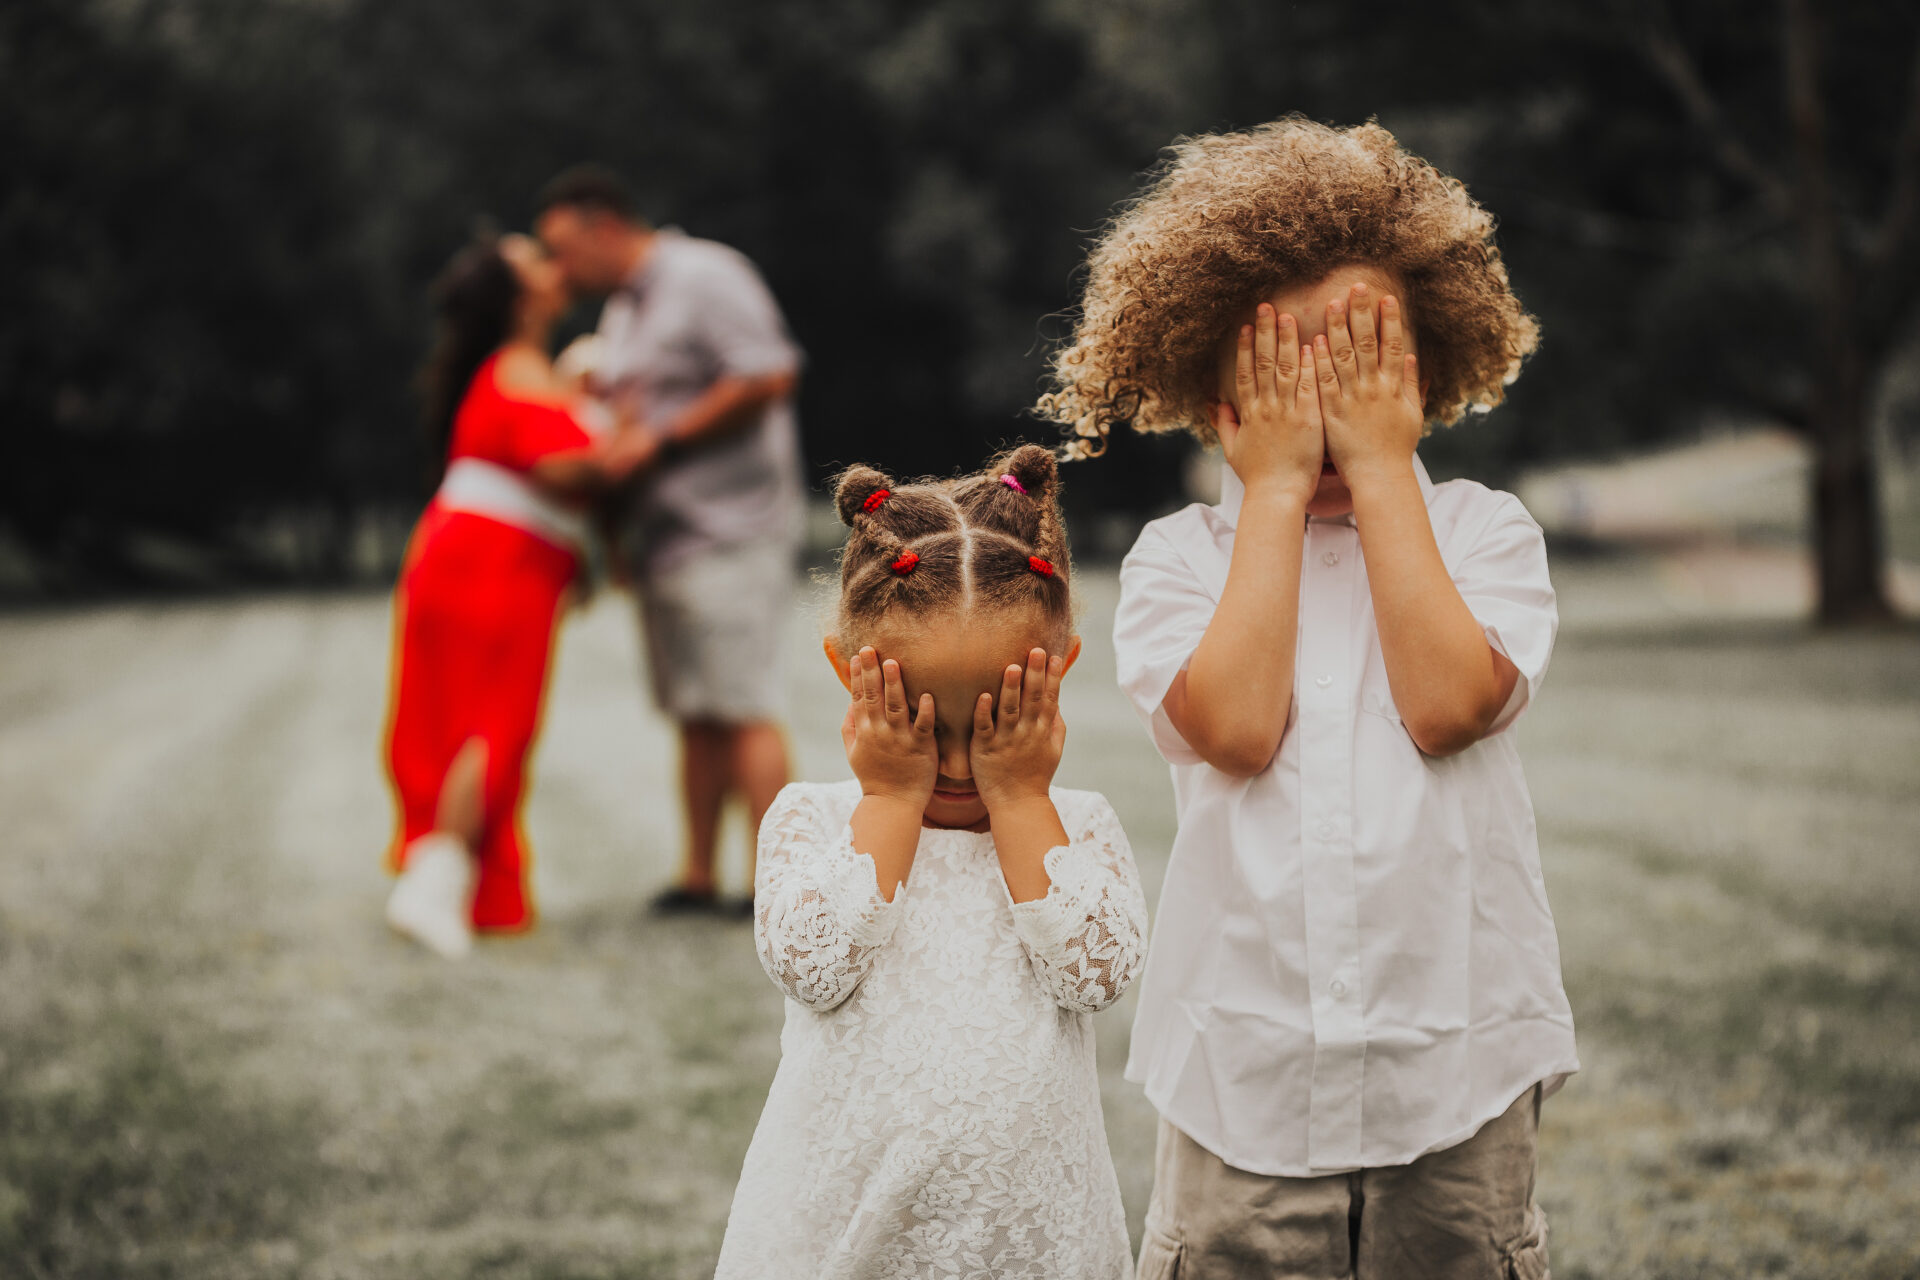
point(1369, 388)
point(1013, 755)
point(892, 753)
point(1271, 433)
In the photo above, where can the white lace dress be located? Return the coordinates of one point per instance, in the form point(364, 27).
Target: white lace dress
point(936, 1111)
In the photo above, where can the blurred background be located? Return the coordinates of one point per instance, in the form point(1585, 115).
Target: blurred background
point(217, 224)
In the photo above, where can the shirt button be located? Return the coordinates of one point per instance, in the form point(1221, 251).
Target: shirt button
point(1323, 681)
point(1330, 559)
point(1338, 988)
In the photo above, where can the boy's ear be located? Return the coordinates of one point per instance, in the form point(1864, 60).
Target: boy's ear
point(1073, 654)
point(832, 649)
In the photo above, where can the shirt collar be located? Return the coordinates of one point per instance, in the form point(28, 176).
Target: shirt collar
point(1233, 494)
point(634, 287)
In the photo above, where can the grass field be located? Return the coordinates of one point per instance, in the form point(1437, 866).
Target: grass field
point(214, 1062)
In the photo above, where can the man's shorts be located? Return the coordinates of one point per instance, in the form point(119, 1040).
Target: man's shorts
point(715, 623)
point(1463, 1213)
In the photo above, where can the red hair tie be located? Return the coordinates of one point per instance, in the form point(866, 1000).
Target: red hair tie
point(874, 499)
point(1042, 567)
point(904, 565)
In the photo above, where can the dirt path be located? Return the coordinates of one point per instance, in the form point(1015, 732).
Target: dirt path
point(215, 1062)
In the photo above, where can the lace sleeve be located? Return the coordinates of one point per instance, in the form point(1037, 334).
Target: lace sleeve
point(818, 915)
point(1086, 937)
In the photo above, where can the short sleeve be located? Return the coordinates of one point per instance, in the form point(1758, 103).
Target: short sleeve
point(1163, 613)
point(533, 430)
point(739, 321)
point(1503, 578)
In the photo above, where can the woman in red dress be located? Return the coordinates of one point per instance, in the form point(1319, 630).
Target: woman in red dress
point(487, 573)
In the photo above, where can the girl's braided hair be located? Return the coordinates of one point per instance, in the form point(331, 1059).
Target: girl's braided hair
point(994, 539)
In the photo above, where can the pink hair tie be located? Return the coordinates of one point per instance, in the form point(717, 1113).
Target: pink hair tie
point(1013, 484)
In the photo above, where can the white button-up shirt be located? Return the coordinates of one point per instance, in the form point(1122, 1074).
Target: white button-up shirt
point(1353, 962)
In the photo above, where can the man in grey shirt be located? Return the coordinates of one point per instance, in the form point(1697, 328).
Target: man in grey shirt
point(692, 344)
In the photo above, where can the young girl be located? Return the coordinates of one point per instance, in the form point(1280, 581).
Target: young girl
point(945, 923)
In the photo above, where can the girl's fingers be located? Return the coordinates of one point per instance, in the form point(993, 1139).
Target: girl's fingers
point(983, 716)
point(1010, 693)
point(1056, 668)
point(923, 718)
point(895, 692)
point(854, 685)
point(1366, 347)
point(869, 679)
point(1033, 683)
point(1339, 340)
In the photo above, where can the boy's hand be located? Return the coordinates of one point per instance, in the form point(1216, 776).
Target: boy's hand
point(1271, 431)
point(1013, 755)
point(892, 753)
point(1369, 387)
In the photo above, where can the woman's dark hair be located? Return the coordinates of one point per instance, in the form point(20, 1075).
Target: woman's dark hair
point(473, 301)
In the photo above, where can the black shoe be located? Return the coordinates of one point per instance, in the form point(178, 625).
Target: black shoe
point(682, 901)
point(737, 908)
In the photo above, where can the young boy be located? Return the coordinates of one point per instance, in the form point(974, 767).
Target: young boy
point(1352, 1006)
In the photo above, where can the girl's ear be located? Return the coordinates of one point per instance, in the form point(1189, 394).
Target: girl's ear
point(1073, 655)
point(832, 649)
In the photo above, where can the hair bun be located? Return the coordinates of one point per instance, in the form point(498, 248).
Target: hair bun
point(1034, 466)
point(858, 485)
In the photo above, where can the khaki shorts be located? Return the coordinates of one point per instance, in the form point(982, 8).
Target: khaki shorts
point(1465, 1213)
point(714, 624)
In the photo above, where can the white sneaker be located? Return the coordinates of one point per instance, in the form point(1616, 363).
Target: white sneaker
point(432, 900)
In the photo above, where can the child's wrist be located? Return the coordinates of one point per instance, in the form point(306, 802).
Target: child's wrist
point(1012, 806)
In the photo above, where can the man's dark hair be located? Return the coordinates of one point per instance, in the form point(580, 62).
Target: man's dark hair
point(591, 187)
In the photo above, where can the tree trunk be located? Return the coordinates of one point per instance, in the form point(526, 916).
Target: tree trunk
point(1849, 549)
point(1849, 554)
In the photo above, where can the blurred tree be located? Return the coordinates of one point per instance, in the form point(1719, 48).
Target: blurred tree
point(222, 215)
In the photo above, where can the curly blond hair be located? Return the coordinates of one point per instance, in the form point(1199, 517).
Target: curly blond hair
point(1229, 219)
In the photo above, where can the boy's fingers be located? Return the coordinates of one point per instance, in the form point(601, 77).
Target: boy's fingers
point(1392, 340)
point(1287, 342)
point(1365, 343)
point(1263, 357)
point(1324, 373)
point(1243, 364)
point(1226, 423)
point(1339, 340)
point(1308, 390)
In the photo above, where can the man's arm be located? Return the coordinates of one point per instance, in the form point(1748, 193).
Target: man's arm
point(728, 405)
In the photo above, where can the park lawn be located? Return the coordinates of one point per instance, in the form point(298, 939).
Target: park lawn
point(214, 1062)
